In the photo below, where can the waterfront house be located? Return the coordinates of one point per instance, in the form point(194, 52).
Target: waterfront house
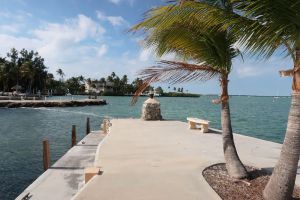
point(99, 87)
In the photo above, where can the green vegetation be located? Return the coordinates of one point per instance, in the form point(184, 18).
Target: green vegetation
point(25, 72)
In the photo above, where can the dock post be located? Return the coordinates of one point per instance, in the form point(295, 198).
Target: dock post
point(105, 126)
point(73, 136)
point(46, 154)
point(88, 128)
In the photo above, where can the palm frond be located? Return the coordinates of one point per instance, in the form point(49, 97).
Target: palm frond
point(209, 13)
point(262, 26)
point(188, 31)
point(275, 25)
point(174, 72)
point(192, 42)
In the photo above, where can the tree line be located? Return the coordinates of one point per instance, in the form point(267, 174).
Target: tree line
point(25, 72)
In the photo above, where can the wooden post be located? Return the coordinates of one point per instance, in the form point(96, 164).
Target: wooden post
point(104, 126)
point(88, 128)
point(46, 154)
point(73, 143)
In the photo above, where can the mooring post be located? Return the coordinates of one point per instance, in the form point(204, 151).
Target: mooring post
point(88, 128)
point(46, 154)
point(73, 136)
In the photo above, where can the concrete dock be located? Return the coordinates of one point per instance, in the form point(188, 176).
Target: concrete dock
point(50, 103)
point(63, 179)
point(143, 160)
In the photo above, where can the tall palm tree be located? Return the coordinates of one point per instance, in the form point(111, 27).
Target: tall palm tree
point(13, 55)
point(211, 53)
point(264, 27)
point(277, 27)
point(28, 72)
point(4, 73)
point(60, 73)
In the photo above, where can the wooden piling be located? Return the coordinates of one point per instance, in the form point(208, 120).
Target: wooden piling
point(104, 128)
point(46, 154)
point(73, 142)
point(88, 128)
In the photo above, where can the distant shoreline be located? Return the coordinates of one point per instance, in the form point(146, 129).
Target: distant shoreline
point(245, 95)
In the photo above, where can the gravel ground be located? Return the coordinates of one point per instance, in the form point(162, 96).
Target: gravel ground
point(232, 189)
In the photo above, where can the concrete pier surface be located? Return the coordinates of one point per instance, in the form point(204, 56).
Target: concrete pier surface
point(63, 179)
point(50, 103)
point(143, 160)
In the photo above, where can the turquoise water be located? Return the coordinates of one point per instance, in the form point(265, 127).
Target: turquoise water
point(23, 129)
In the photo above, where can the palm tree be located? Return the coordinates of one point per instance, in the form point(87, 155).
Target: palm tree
point(4, 73)
point(277, 26)
point(262, 27)
point(211, 52)
point(28, 72)
point(81, 78)
point(13, 55)
point(60, 73)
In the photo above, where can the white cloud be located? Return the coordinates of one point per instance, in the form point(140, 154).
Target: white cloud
point(7, 42)
point(118, 2)
point(102, 50)
point(169, 56)
point(101, 15)
point(115, 1)
point(77, 46)
point(116, 20)
point(10, 28)
point(113, 20)
point(68, 45)
point(60, 41)
point(18, 15)
point(12, 23)
point(146, 54)
point(75, 30)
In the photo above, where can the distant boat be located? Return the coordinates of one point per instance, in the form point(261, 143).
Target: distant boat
point(277, 96)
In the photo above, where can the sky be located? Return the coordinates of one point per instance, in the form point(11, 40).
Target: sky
point(90, 38)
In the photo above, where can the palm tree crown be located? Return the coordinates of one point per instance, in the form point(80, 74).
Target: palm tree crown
point(211, 52)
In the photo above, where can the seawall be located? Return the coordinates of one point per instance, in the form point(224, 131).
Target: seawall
point(51, 103)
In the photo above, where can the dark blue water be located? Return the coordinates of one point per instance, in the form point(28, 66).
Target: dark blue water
point(23, 129)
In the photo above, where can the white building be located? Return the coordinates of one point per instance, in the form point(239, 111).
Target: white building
point(99, 88)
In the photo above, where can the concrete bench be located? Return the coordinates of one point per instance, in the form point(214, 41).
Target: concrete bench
point(204, 124)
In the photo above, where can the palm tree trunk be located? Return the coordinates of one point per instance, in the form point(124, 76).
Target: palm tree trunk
point(234, 166)
point(282, 181)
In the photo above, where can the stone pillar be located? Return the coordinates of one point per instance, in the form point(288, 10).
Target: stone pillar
point(151, 109)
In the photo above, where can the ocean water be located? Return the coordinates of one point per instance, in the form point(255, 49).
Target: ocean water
point(23, 129)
